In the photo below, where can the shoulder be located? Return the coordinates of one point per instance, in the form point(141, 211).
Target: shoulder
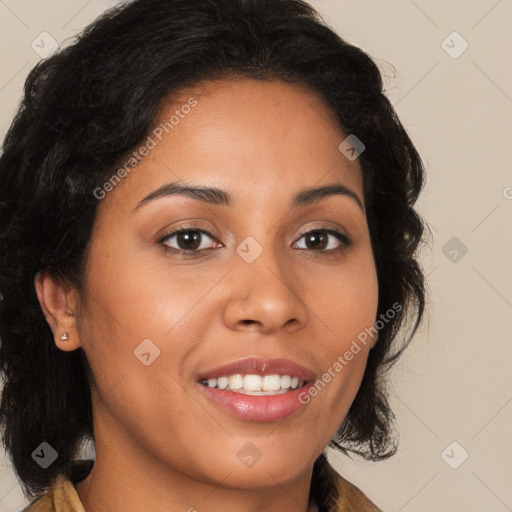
point(46, 502)
point(41, 504)
point(350, 498)
point(62, 495)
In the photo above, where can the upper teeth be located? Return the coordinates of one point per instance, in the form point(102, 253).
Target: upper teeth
point(254, 383)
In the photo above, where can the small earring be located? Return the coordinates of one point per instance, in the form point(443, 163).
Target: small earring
point(64, 337)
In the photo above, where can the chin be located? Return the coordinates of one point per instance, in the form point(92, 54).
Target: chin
point(252, 470)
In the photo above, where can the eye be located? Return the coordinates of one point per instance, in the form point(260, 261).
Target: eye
point(318, 240)
point(187, 240)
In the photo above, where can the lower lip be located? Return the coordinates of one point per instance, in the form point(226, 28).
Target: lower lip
point(257, 408)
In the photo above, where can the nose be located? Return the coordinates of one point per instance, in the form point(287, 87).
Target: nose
point(264, 296)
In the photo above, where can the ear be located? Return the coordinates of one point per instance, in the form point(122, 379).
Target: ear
point(59, 304)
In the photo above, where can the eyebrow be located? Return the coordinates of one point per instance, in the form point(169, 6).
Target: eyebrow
point(217, 196)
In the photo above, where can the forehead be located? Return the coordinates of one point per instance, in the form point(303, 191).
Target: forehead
point(256, 138)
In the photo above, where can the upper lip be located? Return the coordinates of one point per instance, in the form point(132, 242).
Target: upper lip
point(259, 366)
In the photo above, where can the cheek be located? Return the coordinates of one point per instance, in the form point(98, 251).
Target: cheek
point(129, 301)
point(345, 301)
point(347, 308)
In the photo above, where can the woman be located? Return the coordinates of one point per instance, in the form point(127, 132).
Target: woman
point(208, 249)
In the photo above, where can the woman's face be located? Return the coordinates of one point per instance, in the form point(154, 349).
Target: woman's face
point(156, 321)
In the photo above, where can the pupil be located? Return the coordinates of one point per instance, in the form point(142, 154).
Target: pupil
point(189, 240)
point(311, 238)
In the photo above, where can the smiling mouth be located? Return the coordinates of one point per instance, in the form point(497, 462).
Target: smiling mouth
point(255, 385)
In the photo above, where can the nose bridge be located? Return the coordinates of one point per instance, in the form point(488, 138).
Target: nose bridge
point(263, 288)
point(267, 273)
point(261, 260)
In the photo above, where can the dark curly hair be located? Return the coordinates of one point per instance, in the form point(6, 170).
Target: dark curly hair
point(90, 104)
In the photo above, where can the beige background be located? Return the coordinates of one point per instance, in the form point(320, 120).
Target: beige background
point(454, 384)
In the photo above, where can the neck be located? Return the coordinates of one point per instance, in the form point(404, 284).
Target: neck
point(126, 477)
point(98, 493)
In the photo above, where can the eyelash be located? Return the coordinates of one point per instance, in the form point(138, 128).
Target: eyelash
point(346, 242)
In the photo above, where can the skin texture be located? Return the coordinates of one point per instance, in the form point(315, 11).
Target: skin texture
point(161, 444)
